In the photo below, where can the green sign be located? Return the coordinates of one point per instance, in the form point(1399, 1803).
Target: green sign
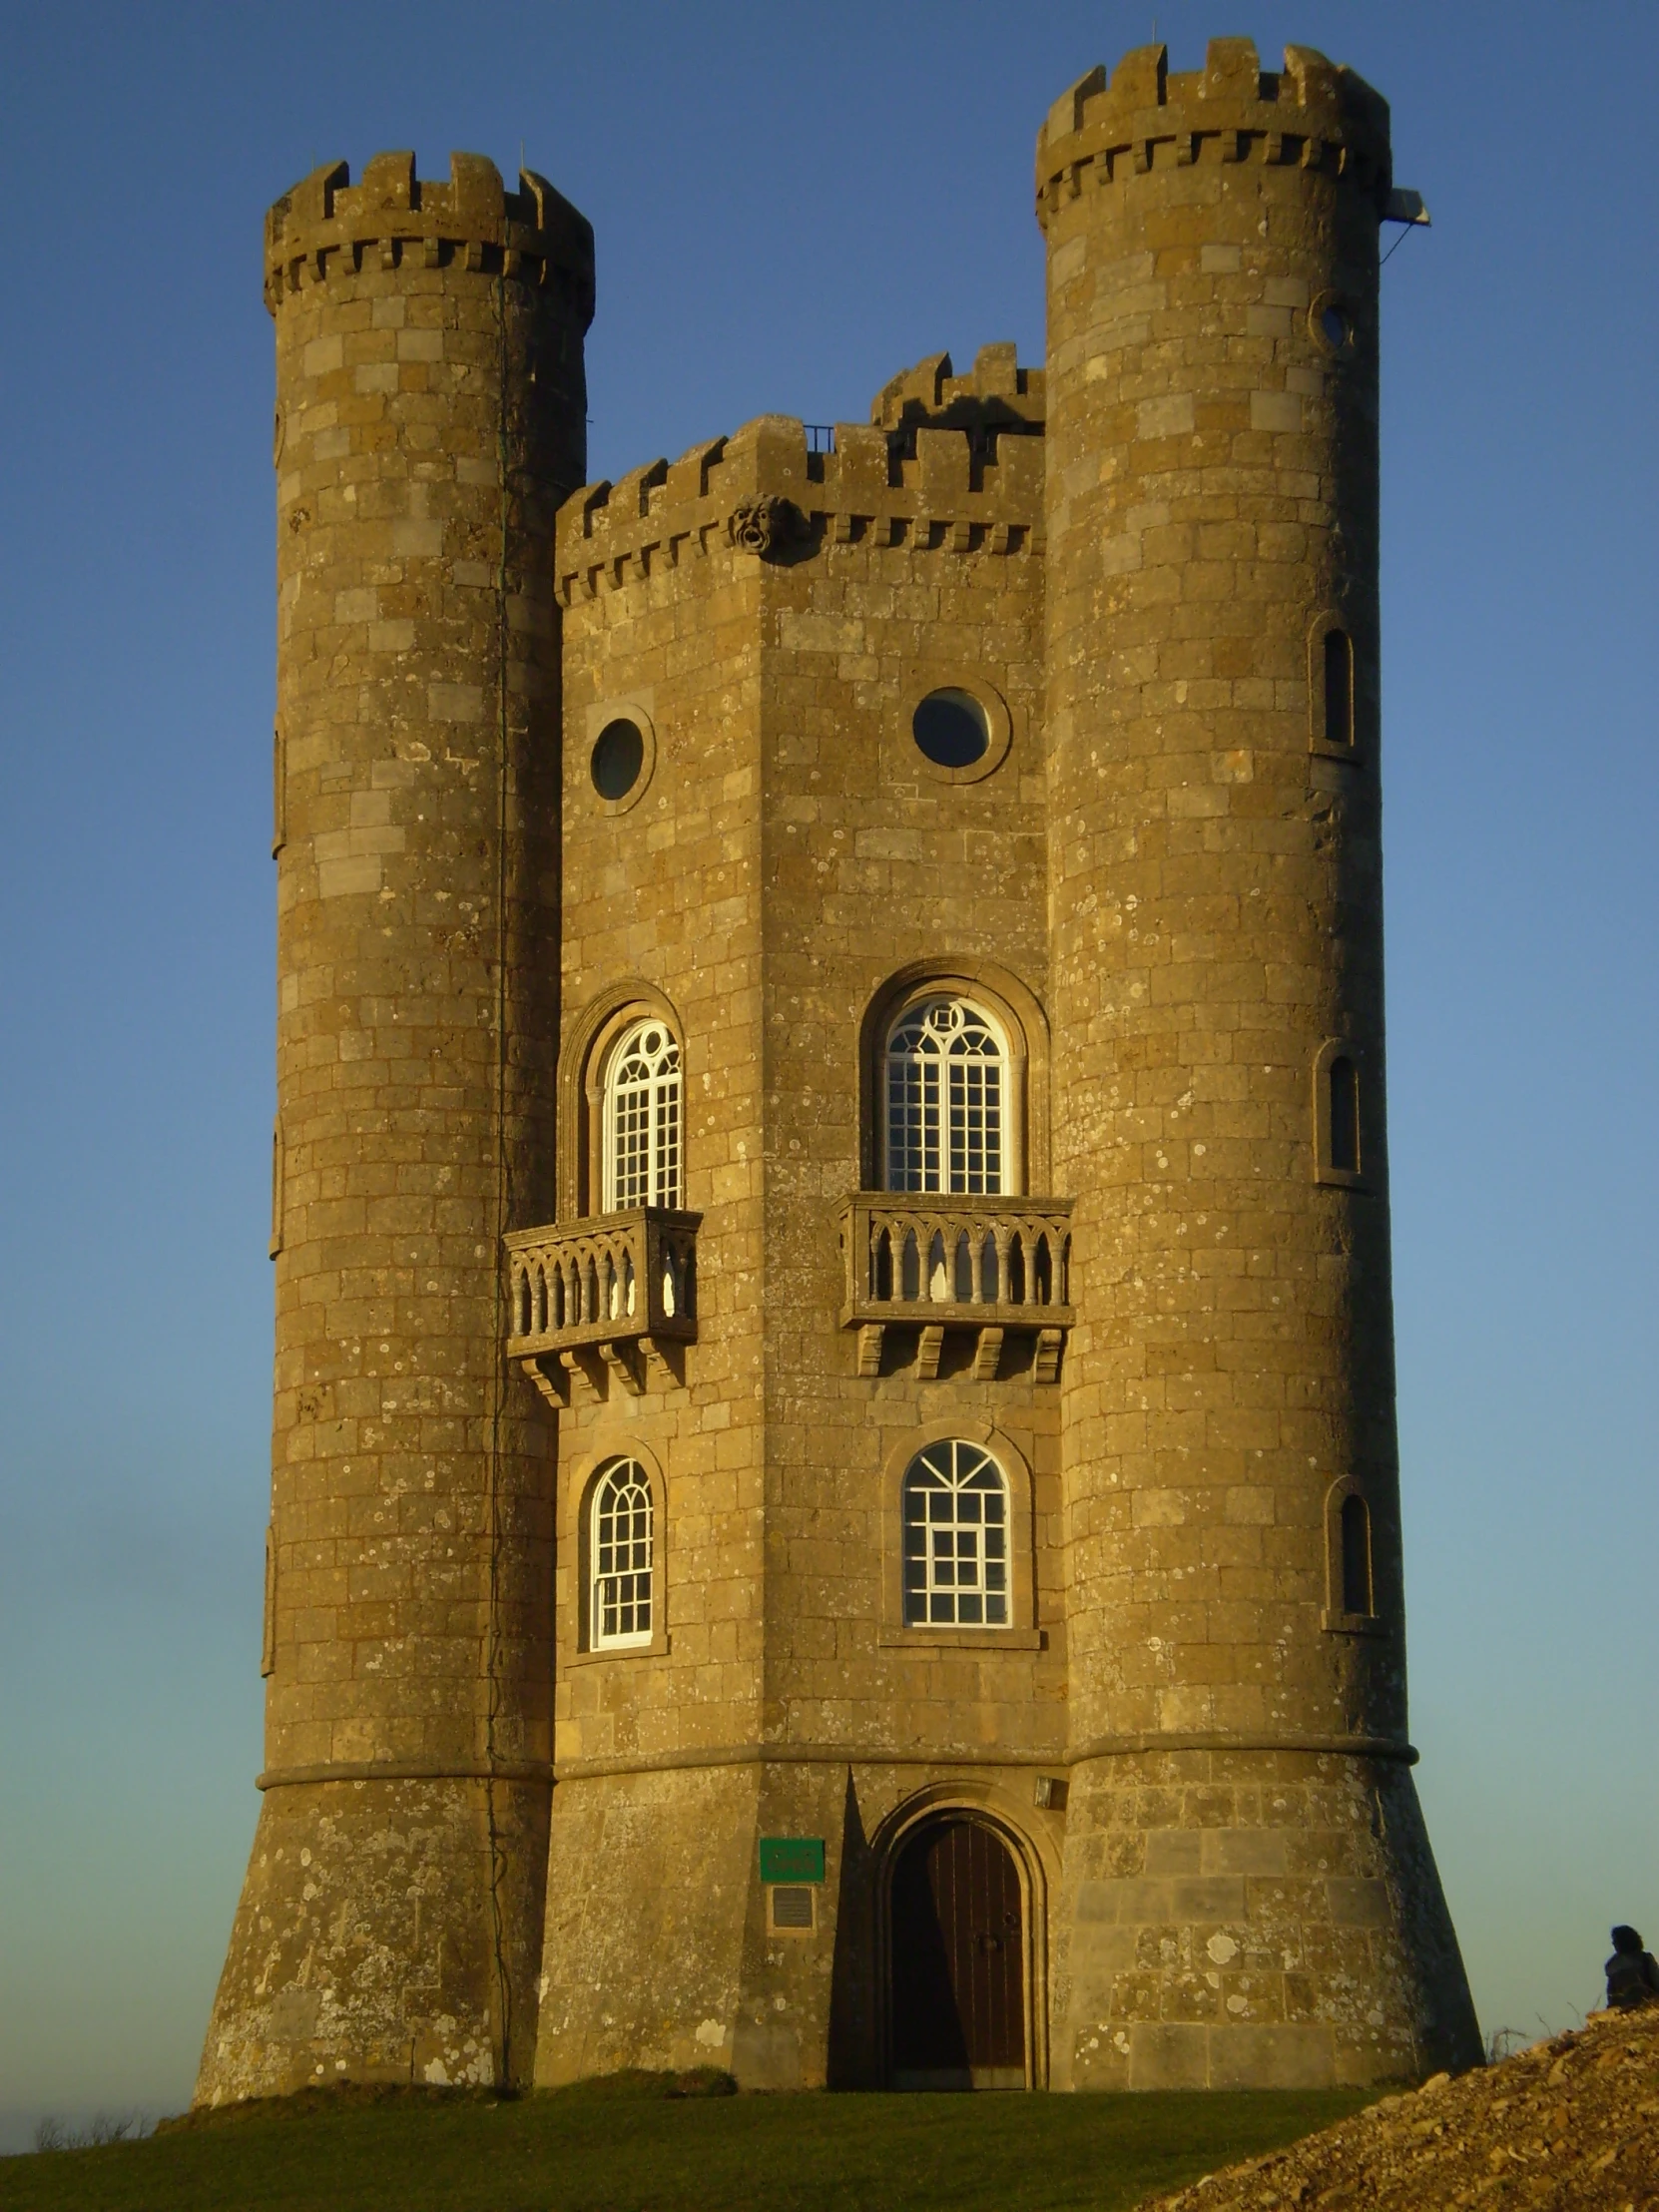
point(792, 1858)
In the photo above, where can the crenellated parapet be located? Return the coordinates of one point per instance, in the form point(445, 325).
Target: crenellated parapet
point(1312, 114)
point(764, 494)
point(327, 227)
point(997, 398)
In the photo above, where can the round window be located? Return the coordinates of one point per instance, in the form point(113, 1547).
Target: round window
point(1330, 321)
point(951, 729)
point(618, 757)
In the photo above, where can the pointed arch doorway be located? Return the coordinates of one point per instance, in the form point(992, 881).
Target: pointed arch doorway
point(957, 1960)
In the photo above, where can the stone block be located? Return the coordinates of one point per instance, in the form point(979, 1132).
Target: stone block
point(1169, 2056)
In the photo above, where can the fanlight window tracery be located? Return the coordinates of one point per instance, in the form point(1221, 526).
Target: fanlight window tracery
point(947, 1100)
point(622, 1545)
point(956, 1518)
point(642, 1119)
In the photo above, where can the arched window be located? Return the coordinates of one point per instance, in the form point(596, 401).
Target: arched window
point(947, 1100)
point(956, 1522)
point(640, 1121)
point(1356, 1544)
point(621, 1552)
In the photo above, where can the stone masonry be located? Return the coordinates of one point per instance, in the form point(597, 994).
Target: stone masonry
point(495, 1847)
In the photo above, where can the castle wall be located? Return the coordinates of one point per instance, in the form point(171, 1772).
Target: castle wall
point(780, 684)
point(430, 415)
point(878, 868)
point(650, 1863)
point(1242, 1836)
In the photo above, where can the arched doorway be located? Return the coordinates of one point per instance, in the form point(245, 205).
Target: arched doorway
point(958, 1958)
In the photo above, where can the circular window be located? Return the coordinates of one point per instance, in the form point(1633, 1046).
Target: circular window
point(951, 729)
point(618, 757)
point(1334, 325)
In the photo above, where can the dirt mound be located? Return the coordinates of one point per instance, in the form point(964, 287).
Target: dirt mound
point(1572, 2123)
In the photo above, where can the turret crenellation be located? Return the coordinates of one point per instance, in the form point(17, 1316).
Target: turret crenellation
point(1312, 114)
point(325, 224)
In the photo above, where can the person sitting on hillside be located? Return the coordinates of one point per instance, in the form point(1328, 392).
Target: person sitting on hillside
point(1632, 1973)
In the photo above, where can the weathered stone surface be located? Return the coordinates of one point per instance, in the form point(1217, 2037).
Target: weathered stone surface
point(430, 416)
point(1161, 878)
point(1216, 920)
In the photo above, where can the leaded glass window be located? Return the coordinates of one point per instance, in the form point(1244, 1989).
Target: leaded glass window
point(956, 1515)
point(622, 1546)
point(947, 1081)
point(642, 1119)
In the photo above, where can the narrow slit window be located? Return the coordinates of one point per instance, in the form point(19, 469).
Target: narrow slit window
point(1355, 1538)
point(622, 1538)
point(1345, 1115)
point(1338, 687)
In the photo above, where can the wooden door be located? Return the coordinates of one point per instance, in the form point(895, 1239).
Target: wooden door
point(959, 1962)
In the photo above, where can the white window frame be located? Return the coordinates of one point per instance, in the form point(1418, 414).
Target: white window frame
point(622, 1571)
point(940, 1540)
point(643, 1107)
point(946, 1102)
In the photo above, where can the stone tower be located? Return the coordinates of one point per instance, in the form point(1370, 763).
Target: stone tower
point(430, 415)
point(832, 1207)
point(1238, 1723)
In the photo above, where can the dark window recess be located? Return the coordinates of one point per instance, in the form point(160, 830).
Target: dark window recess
point(1344, 1116)
point(792, 1907)
point(1356, 1556)
point(1338, 687)
point(618, 757)
point(950, 729)
point(958, 1962)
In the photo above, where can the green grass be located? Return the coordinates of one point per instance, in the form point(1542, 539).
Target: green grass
point(607, 2148)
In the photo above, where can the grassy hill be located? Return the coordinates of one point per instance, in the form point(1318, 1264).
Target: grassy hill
point(635, 2146)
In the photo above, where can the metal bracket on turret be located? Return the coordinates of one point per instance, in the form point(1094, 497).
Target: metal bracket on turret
point(1404, 207)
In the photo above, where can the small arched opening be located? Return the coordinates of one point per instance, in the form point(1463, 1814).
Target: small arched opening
point(1355, 1555)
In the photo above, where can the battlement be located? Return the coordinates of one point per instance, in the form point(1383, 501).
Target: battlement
point(1312, 114)
point(764, 493)
point(997, 397)
point(322, 227)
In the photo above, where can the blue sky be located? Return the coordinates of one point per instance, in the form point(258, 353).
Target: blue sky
point(792, 203)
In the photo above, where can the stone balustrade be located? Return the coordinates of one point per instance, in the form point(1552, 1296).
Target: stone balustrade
point(926, 1263)
point(612, 1297)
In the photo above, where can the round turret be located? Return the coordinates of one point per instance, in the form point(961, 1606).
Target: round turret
point(1243, 1820)
point(430, 415)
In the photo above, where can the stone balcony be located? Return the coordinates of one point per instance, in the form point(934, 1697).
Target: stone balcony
point(933, 1266)
point(609, 1298)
